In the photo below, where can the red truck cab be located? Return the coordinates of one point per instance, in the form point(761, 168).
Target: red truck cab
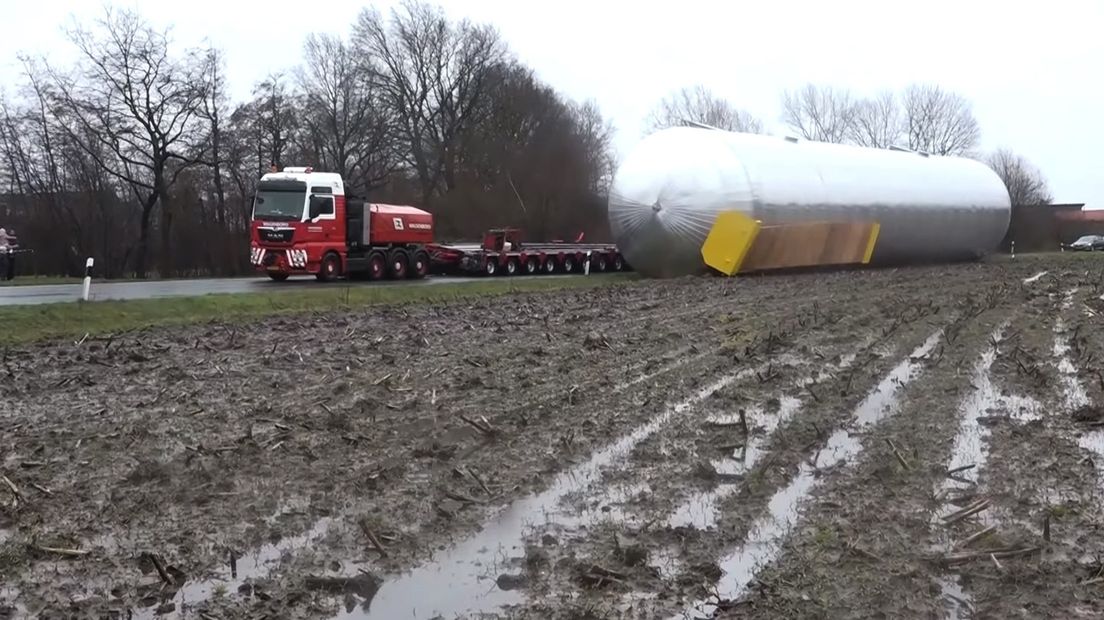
point(303, 224)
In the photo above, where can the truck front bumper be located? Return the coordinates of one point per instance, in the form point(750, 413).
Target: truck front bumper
point(281, 260)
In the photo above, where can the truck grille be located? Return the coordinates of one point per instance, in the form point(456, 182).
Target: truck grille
point(276, 235)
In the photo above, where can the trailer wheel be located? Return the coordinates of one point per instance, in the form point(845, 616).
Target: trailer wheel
point(377, 266)
point(550, 264)
point(490, 267)
point(278, 276)
point(569, 264)
point(602, 263)
point(531, 266)
point(398, 262)
point(419, 268)
point(330, 269)
point(618, 263)
point(511, 267)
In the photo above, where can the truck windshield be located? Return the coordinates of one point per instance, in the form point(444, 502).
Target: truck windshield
point(279, 205)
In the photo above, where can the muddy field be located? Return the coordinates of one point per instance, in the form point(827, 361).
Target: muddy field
point(922, 442)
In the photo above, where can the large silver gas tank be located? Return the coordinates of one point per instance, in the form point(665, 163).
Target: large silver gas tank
point(668, 191)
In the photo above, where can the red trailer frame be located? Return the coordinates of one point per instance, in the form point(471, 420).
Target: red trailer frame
point(504, 253)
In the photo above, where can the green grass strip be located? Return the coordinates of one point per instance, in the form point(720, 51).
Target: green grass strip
point(24, 324)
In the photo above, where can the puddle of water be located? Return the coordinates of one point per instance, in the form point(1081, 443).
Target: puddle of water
point(1034, 277)
point(254, 566)
point(462, 579)
point(767, 534)
point(1093, 441)
point(969, 447)
point(958, 604)
point(1073, 394)
point(700, 509)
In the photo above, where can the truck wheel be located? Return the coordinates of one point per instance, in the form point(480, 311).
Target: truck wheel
point(398, 261)
point(618, 263)
point(490, 267)
point(531, 266)
point(511, 267)
point(419, 268)
point(278, 277)
point(330, 269)
point(550, 265)
point(569, 264)
point(602, 263)
point(377, 266)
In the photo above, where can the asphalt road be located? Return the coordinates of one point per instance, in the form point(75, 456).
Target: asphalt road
point(54, 293)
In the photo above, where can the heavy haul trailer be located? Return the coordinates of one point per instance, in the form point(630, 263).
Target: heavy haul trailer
point(304, 224)
point(504, 253)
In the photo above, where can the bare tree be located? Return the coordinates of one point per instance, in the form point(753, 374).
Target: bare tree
point(939, 122)
point(213, 111)
point(823, 114)
point(595, 134)
point(1025, 183)
point(347, 121)
point(877, 122)
point(699, 104)
point(274, 117)
point(433, 75)
point(131, 106)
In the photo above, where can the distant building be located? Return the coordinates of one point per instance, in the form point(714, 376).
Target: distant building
point(1043, 228)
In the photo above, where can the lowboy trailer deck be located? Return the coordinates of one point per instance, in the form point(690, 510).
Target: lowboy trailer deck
point(504, 253)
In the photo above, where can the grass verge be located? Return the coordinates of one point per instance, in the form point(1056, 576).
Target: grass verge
point(23, 324)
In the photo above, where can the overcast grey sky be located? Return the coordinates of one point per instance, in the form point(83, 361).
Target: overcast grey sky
point(1034, 71)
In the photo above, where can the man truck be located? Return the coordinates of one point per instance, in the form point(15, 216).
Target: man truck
point(304, 224)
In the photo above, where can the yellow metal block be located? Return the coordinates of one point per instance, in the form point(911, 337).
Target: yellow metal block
point(729, 241)
point(874, 230)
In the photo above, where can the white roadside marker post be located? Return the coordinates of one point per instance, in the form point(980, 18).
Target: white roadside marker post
point(87, 289)
point(586, 268)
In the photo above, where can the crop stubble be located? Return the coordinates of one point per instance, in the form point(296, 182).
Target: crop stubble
point(295, 465)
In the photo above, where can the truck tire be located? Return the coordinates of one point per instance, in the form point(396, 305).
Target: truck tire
point(512, 267)
point(491, 267)
point(618, 263)
point(330, 268)
point(531, 266)
point(601, 264)
point(398, 263)
point(569, 264)
point(377, 266)
point(278, 277)
point(550, 265)
point(419, 267)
